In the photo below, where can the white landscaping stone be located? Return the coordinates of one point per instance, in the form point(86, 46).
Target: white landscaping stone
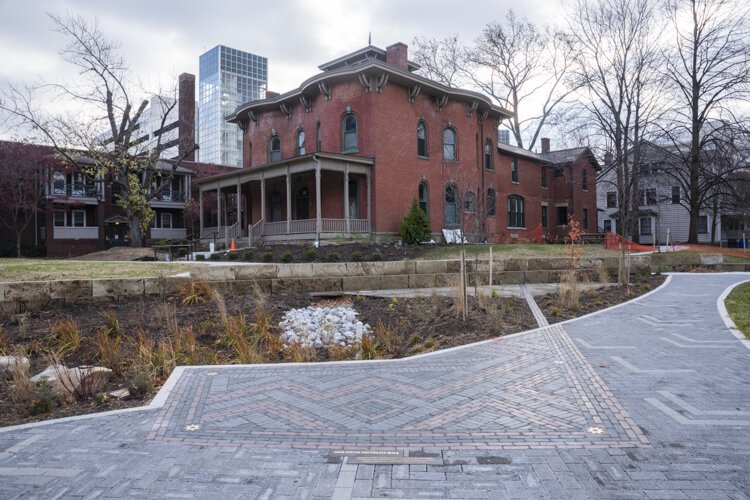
point(321, 326)
point(120, 393)
point(9, 364)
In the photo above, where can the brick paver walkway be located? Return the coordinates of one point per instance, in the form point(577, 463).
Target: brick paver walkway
point(651, 399)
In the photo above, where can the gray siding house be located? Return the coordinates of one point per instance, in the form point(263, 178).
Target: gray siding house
point(662, 206)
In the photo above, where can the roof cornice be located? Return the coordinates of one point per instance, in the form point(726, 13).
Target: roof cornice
point(395, 74)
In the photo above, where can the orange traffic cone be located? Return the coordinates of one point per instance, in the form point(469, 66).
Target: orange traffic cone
point(233, 246)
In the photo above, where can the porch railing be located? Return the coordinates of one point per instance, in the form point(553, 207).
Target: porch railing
point(255, 233)
point(359, 225)
point(274, 228)
point(233, 231)
point(260, 229)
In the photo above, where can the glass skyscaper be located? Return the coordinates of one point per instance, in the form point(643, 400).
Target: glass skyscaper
point(228, 78)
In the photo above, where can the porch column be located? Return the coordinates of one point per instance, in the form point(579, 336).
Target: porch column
point(369, 200)
point(318, 202)
point(347, 215)
point(200, 205)
point(239, 205)
point(218, 207)
point(288, 202)
point(262, 200)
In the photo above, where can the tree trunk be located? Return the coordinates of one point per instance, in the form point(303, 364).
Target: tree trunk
point(18, 244)
point(136, 232)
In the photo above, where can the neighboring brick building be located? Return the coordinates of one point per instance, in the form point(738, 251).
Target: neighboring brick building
point(349, 150)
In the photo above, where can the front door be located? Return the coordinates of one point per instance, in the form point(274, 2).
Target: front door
point(116, 234)
point(353, 200)
point(303, 204)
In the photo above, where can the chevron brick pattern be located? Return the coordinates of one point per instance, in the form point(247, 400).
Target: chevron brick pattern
point(530, 391)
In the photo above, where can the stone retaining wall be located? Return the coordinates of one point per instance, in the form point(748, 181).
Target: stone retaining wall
point(351, 276)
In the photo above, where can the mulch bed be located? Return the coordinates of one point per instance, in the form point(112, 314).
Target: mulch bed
point(328, 252)
point(556, 310)
point(413, 325)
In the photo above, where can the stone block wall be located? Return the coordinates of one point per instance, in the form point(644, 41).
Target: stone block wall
point(343, 277)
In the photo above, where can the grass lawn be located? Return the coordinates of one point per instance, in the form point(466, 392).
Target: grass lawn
point(738, 305)
point(43, 269)
point(515, 251)
point(731, 259)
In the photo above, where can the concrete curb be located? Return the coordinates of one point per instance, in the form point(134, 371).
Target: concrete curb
point(161, 397)
point(725, 314)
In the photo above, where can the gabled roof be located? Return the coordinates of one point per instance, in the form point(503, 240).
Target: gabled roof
point(359, 56)
point(557, 158)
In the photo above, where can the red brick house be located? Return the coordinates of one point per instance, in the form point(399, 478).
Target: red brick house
point(348, 151)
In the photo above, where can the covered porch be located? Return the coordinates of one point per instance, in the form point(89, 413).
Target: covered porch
point(309, 197)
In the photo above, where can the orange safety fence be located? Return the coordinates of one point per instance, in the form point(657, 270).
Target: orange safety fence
point(612, 242)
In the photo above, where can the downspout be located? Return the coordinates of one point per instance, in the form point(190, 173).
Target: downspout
point(483, 193)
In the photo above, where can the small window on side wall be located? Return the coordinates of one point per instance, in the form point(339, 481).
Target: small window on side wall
point(703, 224)
point(424, 198)
point(514, 170)
point(350, 133)
point(515, 211)
point(562, 216)
point(274, 149)
point(491, 203)
point(488, 155)
point(421, 139)
point(300, 142)
point(449, 144)
point(470, 202)
point(544, 176)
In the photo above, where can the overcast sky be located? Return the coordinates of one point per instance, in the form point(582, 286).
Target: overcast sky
point(162, 39)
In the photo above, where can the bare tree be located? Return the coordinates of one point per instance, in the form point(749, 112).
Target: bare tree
point(708, 68)
point(441, 60)
point(21, 181)
point(106, 128)
point(521, 66)
point(616, 71)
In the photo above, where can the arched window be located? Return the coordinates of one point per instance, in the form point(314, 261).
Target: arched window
point(424, 199)
point(488, 155)
point(421, 139)
point(350, 133)
point(449, 144)
point(515, 211)
point(300, 142)
point(274, 149)
point(470, 202)
point(450, 212)
point(491, 202)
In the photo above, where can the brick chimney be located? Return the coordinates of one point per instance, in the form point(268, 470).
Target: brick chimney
point(186, 113)
point(270, 94)
point(545, 144)
point(397, 54)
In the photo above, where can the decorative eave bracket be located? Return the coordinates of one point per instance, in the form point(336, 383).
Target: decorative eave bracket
point(470, 108)
point(325, 89)
point(284, 107)
point(441, 102)
point(413, 91)
point(253, 116)
point(306, 102)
